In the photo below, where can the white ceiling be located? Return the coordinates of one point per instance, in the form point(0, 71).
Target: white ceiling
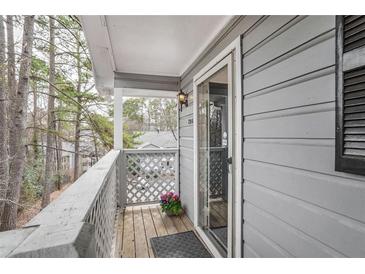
point(157, 45)
point(160, 45)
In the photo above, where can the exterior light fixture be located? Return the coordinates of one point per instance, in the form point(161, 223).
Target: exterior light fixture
point(183, 99)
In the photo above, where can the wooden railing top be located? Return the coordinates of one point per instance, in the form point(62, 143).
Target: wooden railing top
point(63, 228)
point(150, 150)
point(75, 202)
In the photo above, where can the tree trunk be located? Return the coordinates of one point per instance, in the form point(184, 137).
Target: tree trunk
point(58, 143)
point(11, 79)
point(77, 144)
point(95, 146)
point(17, 130)
point(78, 114)
point(35, 127)
point(4, 164)
point(11, 55)
point(51, 125)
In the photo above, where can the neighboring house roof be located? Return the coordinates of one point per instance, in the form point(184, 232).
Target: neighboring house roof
point(154, 139)
point(148, 145)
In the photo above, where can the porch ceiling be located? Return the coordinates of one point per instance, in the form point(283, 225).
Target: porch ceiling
point(150, 45)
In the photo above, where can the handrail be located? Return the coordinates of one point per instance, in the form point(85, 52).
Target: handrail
point(150, 150)
point(79, 223)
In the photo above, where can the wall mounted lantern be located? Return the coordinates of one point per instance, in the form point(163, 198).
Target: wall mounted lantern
point(183, 99)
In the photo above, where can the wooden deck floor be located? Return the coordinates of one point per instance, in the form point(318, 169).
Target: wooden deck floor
point(137, 224)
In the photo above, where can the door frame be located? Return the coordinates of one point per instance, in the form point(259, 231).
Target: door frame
point(237, 202)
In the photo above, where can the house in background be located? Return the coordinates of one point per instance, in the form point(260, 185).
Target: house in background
point(68, 161)
point(157, 139)
point(87, 160)
point(270, 159)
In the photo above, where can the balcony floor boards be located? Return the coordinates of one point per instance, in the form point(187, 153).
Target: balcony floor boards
point(137, 224)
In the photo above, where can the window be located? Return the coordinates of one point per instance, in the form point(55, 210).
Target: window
point(350, 94)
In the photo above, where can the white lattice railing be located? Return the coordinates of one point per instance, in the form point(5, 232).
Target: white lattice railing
point(149, 173)
point(217, 171)
point(79, 223)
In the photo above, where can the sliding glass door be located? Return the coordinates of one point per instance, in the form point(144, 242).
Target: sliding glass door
point(214, 156)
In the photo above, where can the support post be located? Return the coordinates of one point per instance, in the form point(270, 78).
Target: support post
point(118, 115)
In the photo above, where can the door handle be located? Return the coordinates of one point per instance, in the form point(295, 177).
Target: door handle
point(229, 160)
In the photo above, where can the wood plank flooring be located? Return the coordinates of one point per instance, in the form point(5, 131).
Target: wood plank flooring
point(140, 223)
point(218, 214)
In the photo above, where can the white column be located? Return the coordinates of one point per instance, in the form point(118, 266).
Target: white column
point(118, 114)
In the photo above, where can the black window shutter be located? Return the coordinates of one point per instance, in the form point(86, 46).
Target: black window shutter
point(350, 94)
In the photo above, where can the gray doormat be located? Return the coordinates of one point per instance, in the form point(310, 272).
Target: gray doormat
point(179, 245)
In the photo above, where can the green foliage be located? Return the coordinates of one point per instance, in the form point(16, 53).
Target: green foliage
point(32, 188)
point(133, 109)
point(39, 67)
point(104, 127)
point(129, 138)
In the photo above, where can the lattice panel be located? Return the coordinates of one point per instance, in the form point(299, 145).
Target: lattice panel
point(215, 126)
point(217, 172)
point(103, 214)
point(149, 174)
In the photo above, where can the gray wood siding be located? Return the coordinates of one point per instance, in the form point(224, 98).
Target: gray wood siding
point(295, 204)
point(186, 143)
point(239, 25)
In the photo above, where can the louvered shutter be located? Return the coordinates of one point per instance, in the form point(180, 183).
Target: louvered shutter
point(350, 95)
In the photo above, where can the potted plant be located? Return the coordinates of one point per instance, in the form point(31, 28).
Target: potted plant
point(170, 204)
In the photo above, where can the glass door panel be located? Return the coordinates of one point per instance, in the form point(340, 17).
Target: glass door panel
point(213, 142)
